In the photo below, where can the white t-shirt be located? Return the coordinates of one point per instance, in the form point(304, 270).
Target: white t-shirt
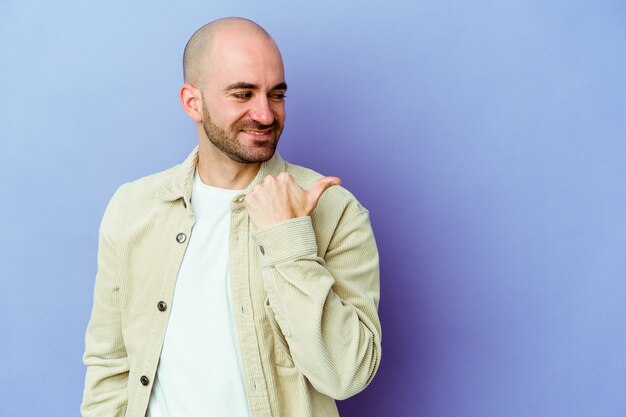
point(199, 372)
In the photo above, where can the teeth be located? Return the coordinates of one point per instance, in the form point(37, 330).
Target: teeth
point(255, 132)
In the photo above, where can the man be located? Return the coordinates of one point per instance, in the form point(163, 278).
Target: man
point(269, 307)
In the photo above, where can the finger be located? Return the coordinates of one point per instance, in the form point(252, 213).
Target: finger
point(316, 190)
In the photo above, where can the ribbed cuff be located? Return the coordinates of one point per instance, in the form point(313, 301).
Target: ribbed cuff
point(286, 240)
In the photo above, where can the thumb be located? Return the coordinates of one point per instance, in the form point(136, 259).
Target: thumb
point(316, 190)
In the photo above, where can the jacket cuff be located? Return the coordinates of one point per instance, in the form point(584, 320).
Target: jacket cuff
point(289, 239)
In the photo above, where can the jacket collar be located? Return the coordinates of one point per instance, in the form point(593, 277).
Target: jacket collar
point(181, 180)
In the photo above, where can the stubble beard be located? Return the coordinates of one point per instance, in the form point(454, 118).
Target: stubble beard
point(228, 144)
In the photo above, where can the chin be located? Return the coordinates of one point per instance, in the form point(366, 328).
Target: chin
point(254, 156)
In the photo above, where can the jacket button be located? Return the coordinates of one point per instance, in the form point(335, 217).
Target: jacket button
point(162, 306)
point(144, 380)
point(262, 250)
point(180, 238)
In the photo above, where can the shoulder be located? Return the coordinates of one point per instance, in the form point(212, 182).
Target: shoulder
point(146, 187)
point(133, 198)
point(339, 221)
point(335, 199)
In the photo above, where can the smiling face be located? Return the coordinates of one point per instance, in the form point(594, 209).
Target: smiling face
point(243, 95)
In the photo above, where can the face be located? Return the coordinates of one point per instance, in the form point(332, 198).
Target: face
point(243, 99)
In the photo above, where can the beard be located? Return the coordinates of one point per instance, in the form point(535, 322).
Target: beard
point(228, 144)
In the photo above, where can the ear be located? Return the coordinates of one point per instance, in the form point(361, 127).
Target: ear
point(191, 100)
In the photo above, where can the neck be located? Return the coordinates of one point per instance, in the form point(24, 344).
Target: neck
point(218, 170)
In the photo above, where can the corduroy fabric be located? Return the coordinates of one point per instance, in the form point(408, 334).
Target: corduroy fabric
point(304, 293)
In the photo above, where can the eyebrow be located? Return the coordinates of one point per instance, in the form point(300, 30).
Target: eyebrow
point(242, 85)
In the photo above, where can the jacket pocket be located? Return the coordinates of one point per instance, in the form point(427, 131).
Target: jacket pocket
point(282, 357)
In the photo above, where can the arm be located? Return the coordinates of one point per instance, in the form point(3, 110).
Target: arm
point(325, 307)
point(105, 354)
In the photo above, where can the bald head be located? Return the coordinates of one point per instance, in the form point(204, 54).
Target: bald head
point(199, 48)
point(234, 90)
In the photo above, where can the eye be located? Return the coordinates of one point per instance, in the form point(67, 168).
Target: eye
point(242, 95)
point(277, 96)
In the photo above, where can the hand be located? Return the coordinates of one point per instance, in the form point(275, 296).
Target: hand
point(279, 198)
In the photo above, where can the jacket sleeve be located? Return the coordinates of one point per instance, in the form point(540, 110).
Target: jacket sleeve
point(326, 306)
point(105, 355)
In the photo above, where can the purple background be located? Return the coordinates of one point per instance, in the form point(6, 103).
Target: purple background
point(487, 138)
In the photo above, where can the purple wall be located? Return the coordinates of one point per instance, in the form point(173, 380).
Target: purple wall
point(486, 138)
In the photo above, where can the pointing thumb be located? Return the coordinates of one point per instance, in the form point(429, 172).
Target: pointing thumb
point(315, 192)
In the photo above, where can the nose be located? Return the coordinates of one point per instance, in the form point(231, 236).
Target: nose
point(261, 111)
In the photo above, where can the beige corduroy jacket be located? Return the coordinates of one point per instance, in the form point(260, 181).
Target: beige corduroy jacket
point(304, 294)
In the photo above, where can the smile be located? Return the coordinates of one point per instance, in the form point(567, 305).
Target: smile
point(258, 135)
point(258, 132)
